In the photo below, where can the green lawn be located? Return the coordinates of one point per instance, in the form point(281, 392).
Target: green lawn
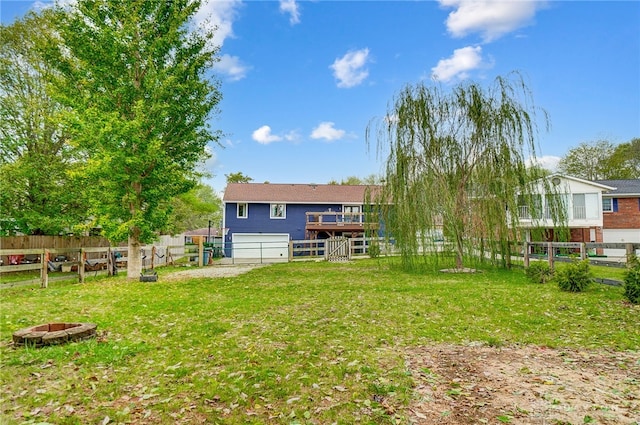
point(288, 343)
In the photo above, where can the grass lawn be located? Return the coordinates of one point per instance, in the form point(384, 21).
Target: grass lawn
point(288, 343)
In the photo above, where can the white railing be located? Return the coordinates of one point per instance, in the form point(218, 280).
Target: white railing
point(579, 212)
point(523, 212)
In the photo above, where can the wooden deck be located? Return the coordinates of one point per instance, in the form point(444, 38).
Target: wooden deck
point(337, 222)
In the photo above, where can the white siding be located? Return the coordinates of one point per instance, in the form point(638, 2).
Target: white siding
point(619, 236)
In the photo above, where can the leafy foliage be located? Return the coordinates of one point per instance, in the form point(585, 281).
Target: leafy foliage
point(194, 210)
point(539, 272)
point(602, 160)
point(632, 284)
point(588, 160)
point(457, 161)
point(374, 250)
point(37, 193)
point(135, 80)
point(625, 161)
point(371, 179)
point(238, 177)
point(574, 277)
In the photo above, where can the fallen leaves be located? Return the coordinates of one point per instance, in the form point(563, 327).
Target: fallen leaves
point(480, 384)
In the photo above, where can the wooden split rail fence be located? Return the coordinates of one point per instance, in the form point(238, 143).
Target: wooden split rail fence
point(560, 251)
point(86, 260)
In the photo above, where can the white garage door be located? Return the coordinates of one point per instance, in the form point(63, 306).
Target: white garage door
point(261, 246)
point(619, 236)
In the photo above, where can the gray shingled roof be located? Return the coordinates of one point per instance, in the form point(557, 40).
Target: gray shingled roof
point(295, 193)
point(623, 187)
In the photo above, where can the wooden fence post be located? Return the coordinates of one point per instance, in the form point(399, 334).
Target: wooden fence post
point(290, 250)
point(200, 252)
point(631, 254)
point(583, 251)
point(110, 262)
point(44, 270)
point(81, 260)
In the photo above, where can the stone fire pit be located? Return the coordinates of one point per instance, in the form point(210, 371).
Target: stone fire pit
point(54, 333)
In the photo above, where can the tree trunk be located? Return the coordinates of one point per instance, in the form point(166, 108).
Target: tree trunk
point(459, 252)
point(134, 261)
point(134, 264)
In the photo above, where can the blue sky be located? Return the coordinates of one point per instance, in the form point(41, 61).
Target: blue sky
point(301, 80)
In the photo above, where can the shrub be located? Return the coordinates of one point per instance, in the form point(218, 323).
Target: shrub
point(539, 272)
point(632, 284)
point(574, 277)
point(374, 250)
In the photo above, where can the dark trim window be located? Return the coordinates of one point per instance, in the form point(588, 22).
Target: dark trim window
point(278, 211)
point(243, 210)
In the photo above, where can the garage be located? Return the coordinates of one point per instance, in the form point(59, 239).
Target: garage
point(619, 236)
point(260, 246)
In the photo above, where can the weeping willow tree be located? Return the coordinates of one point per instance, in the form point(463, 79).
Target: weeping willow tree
point(457, 167)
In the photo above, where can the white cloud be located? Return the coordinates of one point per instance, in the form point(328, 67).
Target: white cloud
point(458, 65)
point(326, 131)
point(491, 18)
point(212, 161)
point(219, 14)
point(290, 7)
point(292, 136)
point(349, 70)
point(232, 67)
point(548, 162)
point(263, 135)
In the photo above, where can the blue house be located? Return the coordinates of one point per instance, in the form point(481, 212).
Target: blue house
point(261, 218)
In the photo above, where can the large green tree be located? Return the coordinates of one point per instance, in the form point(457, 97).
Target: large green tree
point(455, 163)
point(194, 210)
point(135, 75)
point(37, 194)
point(589, 161)
point(625, 160)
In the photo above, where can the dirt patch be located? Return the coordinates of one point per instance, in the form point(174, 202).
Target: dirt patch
point(213, 271)
point(524, 385)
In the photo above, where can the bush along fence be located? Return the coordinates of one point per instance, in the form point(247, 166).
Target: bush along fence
point(594, 252)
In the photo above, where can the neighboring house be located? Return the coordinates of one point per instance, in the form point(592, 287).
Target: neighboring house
point(621, 210)
point(207, 234)
point(262, 218)
point(582, 200)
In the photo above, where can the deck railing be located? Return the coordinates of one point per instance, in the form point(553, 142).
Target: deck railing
point(334, 217)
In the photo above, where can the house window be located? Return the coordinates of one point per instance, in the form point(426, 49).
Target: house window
point(243, 211)
point(278, 211)
point(607, 205)
point(352, 213)
point(529, 206)
point(555, 207)
point(585, 206)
